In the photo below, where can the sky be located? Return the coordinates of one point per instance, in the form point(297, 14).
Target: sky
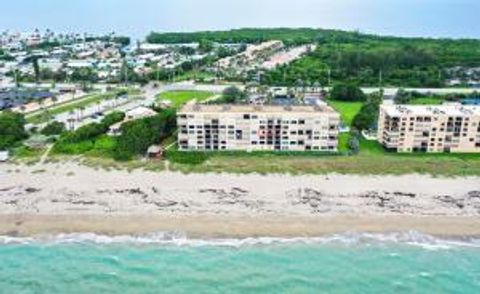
point(428, 18)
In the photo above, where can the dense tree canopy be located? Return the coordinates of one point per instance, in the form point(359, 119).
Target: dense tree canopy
point(92, 130)
point(380, 61)
point(53, 128)
point(369, 60)
point(287, 35)
point(233, 95)
point(367, 118)
point(12, 129)
point(347, 92)
point(138, 135)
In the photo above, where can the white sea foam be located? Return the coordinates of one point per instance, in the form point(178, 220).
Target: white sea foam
point(411, 238)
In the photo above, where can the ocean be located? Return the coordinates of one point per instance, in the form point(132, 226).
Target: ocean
point(171, 263)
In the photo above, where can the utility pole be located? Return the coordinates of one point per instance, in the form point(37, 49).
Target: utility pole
point(15, 77)
point(380, 78)
point(126, 74)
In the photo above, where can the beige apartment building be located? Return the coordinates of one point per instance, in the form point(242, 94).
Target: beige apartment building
point(258, 128)
point(450, 127)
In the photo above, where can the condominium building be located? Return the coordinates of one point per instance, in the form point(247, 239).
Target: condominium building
point(258, 128)
point(450, 127)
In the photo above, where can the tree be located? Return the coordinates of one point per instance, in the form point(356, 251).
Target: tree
point(12, 129)
point(347, 92)
point(54, 99)
point(138, 135)
point(368, 116)
point(205, 46)
point(54, 128)
point(403, 97)
point(354, 144)
point(36, 69)
point(233, 95)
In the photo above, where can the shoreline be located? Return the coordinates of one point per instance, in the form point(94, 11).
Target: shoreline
point(71, 198)
point(218, 227)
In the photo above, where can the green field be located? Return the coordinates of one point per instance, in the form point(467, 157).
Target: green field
point(372, 160)
point(343, 142)
point(427, 101)
point(194, 75)
point(179, 98)
point(348, 110)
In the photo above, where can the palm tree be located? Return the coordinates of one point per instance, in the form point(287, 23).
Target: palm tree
point(82, 111)
point(308, 86)
point(263, 90)
point(299, 85)
point(290, 92)
point(71, 120)
point(54, 99)
point(269, 97)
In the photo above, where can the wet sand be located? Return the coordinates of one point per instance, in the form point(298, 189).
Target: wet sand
point(236, 227)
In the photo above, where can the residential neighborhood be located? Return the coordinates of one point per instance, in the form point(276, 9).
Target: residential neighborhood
point(87, 95)
point(249, 146)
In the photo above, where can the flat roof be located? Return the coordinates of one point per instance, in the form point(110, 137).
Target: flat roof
point(451, 109)
point(244, 108)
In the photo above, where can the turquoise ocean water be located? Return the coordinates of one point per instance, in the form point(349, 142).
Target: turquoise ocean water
point(166, 263)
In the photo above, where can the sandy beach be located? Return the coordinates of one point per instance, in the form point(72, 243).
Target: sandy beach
point(68, 198)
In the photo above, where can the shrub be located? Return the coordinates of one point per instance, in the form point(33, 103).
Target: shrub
point(368, 114)
point(93, 130)
point(113, 118)
point(233, 95)
point(12, 129)
point(353, 145)
point(138, 135)
point(191, 158)
point(86, 132)
point(73, 148)
point(54, 128)
point(347, 92)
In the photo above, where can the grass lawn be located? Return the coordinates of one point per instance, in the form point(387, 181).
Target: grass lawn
point(372, 160)
point(343, 142)
point(26, 155)
point(348, 110)
point(191, 75)
point(179, 98)
point(427, 101)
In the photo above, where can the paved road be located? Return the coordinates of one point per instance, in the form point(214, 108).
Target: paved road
point(150, 92)
point(388, 91)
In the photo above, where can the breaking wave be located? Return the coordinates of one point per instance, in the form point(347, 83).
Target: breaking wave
point(411, 238)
